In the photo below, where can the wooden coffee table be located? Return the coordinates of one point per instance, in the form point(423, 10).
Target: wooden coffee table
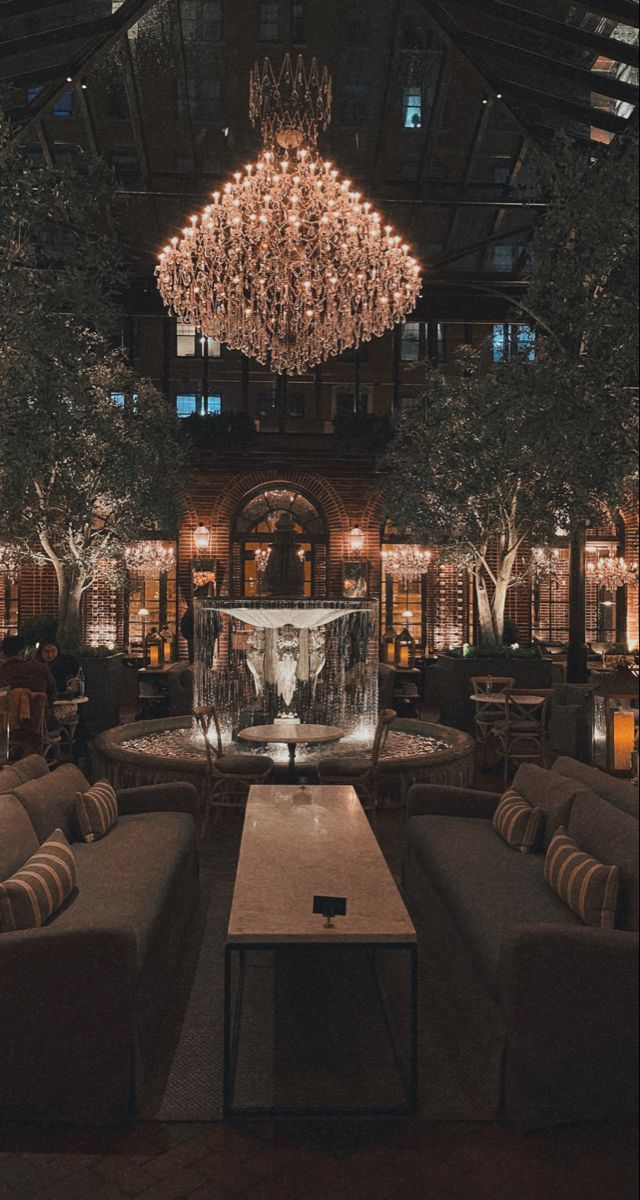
point(293, 734)
point(299, 842)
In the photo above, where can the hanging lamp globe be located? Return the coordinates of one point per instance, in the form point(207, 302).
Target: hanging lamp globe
point(289, 264)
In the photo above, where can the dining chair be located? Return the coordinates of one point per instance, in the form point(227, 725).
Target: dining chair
point(360, 770)
point(493, 691)
point(522, 735)
point(226, 770)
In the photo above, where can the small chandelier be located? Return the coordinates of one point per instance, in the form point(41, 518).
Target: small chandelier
point(545, 564)
point(11, 559)
point(149, 559)
point(405, 563)
point(289, 263)
point(612, 572)
point(262, 556)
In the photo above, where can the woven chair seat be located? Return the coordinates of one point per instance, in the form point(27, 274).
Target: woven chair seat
point(243, 764)
point(523, 726)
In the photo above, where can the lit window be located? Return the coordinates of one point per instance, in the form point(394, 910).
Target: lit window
point(410, 341)
point(502, 258)
point(118, 398)
point(63, 106)
point(412, 107)
point(513, 341)
point(185, 340)
point(32, 92)
point(436, 342)
point(213, 405)
point(186, 405)
point(214, 348)
point(268, 23)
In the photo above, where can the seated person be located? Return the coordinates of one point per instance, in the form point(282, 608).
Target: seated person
point(62, 666)
point(18, 672)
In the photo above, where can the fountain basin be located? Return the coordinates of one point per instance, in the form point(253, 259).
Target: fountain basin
point(132, 755)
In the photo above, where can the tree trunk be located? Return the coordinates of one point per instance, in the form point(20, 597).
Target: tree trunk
point(485, 612)
point(491, 608)
point(69, 632)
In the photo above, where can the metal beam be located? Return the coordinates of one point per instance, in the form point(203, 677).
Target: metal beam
point(87, 119)
point(52, 37)
point(47, 152)
point(126, 62)
point(385, 94)
point(480, 245)
point(525, 19)
point(446, 29)
point(20, 8)
point(419, 202)
point(482, 121)
point(122, 20)
point(37, 75)
point(591, 116)
point(623, 11)
point(595, 81)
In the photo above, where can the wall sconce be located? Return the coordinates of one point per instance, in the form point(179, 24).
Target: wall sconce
point(356, 540)
point(201, 538)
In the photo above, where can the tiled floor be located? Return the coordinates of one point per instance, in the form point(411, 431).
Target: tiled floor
point(336, 1160)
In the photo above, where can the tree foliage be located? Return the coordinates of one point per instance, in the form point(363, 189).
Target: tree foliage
point(79, 475)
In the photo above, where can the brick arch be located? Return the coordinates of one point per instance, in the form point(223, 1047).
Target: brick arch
point(323, 494)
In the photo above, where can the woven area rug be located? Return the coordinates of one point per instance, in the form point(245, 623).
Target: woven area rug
point(312, 1031)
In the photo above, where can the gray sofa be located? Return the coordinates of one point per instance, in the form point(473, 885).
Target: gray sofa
point(542, 1008)
point(82, 999)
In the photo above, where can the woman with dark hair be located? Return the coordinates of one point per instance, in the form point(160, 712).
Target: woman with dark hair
point(63, 667)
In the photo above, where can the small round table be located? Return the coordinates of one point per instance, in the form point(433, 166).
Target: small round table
point(291, 733)
point(65, 711)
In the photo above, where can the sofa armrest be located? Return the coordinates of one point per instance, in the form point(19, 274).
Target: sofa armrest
point(569, 1000)
point(67, 1011)
point(442, 800)
point(159, 797)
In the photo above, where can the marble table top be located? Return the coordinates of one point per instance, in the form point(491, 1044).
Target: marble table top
point(301, 841)
point(291, 731)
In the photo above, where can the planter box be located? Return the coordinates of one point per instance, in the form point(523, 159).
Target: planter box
point(104, 679)
point(450, 680)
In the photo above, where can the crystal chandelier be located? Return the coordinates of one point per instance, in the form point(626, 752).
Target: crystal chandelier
point(405, 563)
point(289, 263)
point(613, 573)
point(149, 559)
point(545, 564)
point(11, 559)
point(262, 556)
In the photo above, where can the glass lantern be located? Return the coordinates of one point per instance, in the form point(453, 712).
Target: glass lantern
point(615, 722)
point(405, 649)
point(388, 649)
point(155, 649)
point(167, 639)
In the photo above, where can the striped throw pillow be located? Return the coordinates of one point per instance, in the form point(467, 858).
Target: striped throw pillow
point(520, 824)
point(30, 896)
point(588, 887)
point(96, 810)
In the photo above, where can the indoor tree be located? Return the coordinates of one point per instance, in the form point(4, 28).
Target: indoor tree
point(89, 455)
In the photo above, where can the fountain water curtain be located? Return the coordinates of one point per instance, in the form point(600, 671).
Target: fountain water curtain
point(314, 661)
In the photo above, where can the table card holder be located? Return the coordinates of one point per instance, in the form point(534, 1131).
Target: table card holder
point(329, 907)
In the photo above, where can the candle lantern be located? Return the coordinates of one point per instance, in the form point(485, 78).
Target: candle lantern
point(167, 639)
point(405, 648)
point(155, 649)
point(389, 646)
point(615, 721)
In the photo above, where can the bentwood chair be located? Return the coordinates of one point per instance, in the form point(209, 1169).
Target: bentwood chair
point(360, 772)
point(227, 771)
point(521, 736)
point(492, 692)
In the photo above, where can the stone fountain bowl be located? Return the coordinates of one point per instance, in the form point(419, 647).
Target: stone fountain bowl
point(124, 765)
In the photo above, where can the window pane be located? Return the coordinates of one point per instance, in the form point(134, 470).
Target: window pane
point(412, 108)
point(526, 342)
point(185, 340)
point(268, 23)
point(497, 343)
point(64, 105)
point(295, 404)
point(214, 348)
point(509, 341)
point(214, 404)
point(118, 398)
point(185, 405)
point(410, 342)
point(348, 404)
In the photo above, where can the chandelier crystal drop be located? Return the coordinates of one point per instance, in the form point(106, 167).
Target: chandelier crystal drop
point(289, 264)
point(149, 559)
point(612, 572)
point(405, 563)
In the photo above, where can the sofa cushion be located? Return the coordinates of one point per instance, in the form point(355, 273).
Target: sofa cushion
point(39, 887)
point(519, 824)
point(552, 793)
point(13, 774)
point(611, 836)
point(244, 764)
point(49, 801)
point(589, 887)
point(126, 880)
point(486, 887)
point(17, 836)
point(622, 793)
point(96, 810)
point(347, 767)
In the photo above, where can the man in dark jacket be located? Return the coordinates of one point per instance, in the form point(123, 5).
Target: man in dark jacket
point(18, 672)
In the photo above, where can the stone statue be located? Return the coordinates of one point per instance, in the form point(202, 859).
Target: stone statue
point(284, 574)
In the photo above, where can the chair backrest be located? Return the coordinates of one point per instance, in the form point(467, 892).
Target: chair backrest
point(207, 718)
point(27, 718)
point(485, 684)
point(385, 720)
point(529, 712)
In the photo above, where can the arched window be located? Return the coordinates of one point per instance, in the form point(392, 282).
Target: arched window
point(253, 535)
